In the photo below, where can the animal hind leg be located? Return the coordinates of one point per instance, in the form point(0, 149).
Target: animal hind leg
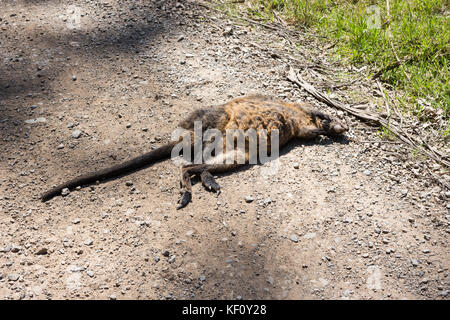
point(205, 171)
point(186, 172)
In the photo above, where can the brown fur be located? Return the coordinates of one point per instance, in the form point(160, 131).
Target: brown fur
point(292, 120)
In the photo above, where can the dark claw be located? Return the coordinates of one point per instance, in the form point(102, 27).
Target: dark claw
point(184, 200)
point(209, 182)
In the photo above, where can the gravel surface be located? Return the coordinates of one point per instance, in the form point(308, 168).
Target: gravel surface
point(342, 219)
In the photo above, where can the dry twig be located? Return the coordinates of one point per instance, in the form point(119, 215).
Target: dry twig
point(413, 142)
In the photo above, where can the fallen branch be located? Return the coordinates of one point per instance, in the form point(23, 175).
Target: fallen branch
point(292, 76)
point(374, 119)
point(278, 28)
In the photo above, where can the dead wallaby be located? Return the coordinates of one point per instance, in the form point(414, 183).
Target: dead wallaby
point(292, 120)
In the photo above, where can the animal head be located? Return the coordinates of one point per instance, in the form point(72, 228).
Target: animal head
point(332, 126)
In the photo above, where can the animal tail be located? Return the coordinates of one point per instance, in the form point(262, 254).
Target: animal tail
point(114, 171)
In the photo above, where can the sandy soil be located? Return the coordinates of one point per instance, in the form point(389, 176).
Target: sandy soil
point(341, 219)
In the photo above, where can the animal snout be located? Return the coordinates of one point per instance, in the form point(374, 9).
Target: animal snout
point(340, 128)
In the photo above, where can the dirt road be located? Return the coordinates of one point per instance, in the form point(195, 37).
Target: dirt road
point(89, 86)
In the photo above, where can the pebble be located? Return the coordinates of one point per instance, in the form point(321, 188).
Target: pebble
point(228, 31)
point(294, 238)
point(42, 251)
point(310, 235)
point(65, 192)
point(37, 120)
point(414, 262)
point(296, 165)
point(249, 199)
point(76, 134)
point(13, 277)
point(88, 242)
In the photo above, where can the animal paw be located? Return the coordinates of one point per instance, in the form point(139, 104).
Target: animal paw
point(209, 182)
point(184, 200)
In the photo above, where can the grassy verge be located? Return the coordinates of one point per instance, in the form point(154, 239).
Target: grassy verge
point(416, 32)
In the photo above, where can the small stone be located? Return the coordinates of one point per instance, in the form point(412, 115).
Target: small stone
point(228, 31)
point(414, 262)
point(367, 172)
point(37, 120)
point(112, 297)
point(15, 249)
point(13, 277)
point(76, 268)
point(172, 259)
point(129, 183)
point(404, 192)
point(189, 233)
point(65, 192)
point(202, 278)
point(294, 238)
point(310, 235)
point(60, 146)
point(296, 165)
point(166, 253)
point(42, 251)
point(74, 77)
point(249, 199)
point(156, 258)
point(90, 273)
point(88, 242)
point(76, 134)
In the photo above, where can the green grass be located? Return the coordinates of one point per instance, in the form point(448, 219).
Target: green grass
point(420, 35)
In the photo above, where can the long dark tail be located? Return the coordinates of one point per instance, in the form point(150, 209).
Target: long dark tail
point(114, 171)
